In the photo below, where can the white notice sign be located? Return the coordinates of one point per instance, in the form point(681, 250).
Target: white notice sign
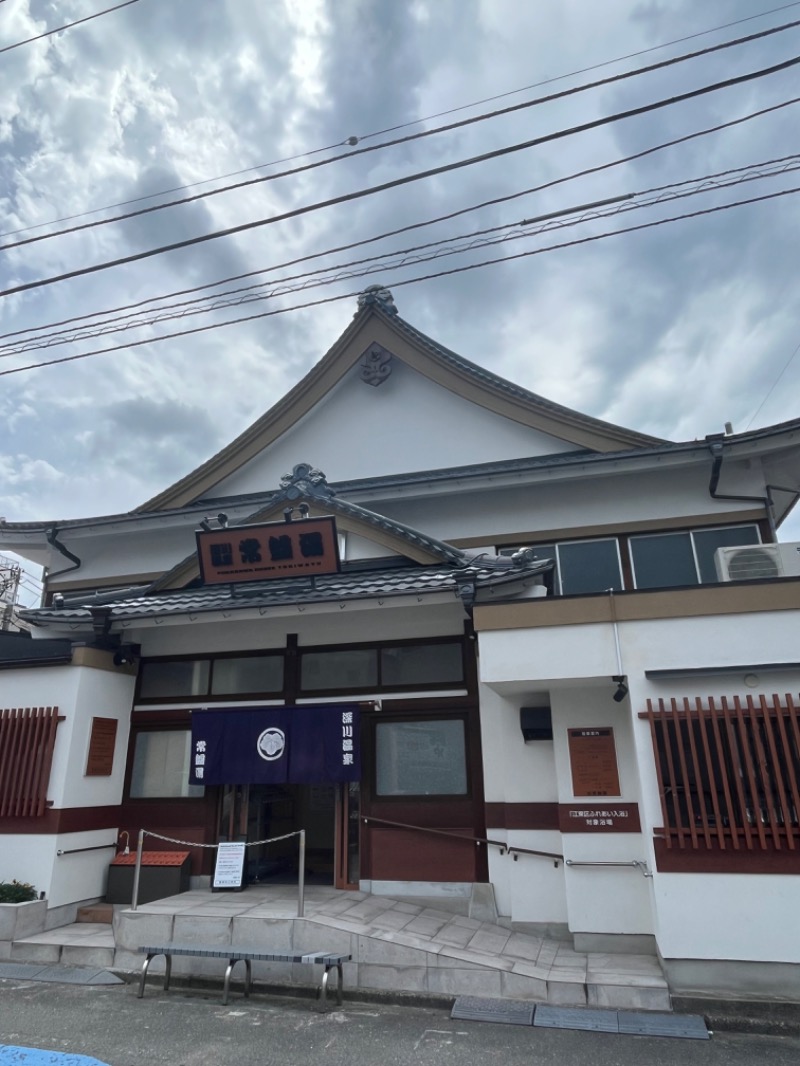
point(229, 869)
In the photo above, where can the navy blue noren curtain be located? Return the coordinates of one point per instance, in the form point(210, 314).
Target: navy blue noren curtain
point(307, 745)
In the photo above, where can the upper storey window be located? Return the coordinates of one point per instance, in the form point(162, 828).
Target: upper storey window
point(662, 560)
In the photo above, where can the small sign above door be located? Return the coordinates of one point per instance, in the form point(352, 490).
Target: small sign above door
point(272, 550)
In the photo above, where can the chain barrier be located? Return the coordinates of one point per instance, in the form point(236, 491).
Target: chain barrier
point(247, 843)
point(301, 833)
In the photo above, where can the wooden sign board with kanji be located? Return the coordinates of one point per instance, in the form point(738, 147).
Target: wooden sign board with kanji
point(272, 550)
point(593, 759)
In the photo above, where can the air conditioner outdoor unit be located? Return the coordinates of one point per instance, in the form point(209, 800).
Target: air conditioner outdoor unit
point(753, 562)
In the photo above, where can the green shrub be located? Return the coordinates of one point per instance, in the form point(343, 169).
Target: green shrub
point(16, 892)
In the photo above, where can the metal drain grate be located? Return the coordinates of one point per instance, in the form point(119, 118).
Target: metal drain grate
point(597, 1021)
point(503, 1011)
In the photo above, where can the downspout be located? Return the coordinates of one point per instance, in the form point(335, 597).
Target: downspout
point(52, 539)
point(716, 448)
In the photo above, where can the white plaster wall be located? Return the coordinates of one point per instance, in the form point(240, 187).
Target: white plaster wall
point(747, 917)
point(359, 430)
point(568, 498)
point(101, 694)
point(336, 627)
point(29, 859)
point(601, 899)
point(533, 657)
point(83, 874)
point(514, 771)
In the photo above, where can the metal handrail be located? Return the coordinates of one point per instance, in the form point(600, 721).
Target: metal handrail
point(639, 864)
point(301, 873)
point(94, 847)
point(512, 849)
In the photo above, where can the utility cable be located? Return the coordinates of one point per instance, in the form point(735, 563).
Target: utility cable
point(412, 226)
point(408, 281)
point(408, 179)
point(403, 125)
point(403, 140)
point(406, 257)
point(67, 26)
point(772, 388)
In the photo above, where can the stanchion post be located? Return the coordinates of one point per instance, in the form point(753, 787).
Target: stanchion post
point(137, 871)
point(301, 875)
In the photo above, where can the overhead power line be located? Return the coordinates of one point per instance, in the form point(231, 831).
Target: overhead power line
point(402, 125)
point(407, 257)
point(405, 140)
point(395, 284)
point(67, 26)
point(496, 153)
point(411, 226)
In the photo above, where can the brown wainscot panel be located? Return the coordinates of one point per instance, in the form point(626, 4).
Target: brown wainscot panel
point(711, 859)
point(65, 820)
point(599, 818)
point(403, 855)
point(522, 816)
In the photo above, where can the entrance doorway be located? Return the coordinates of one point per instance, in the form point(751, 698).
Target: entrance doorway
point(329, 815)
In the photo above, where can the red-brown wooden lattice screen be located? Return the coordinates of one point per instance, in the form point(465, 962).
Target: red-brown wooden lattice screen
point(728, 772)
point(27, 739)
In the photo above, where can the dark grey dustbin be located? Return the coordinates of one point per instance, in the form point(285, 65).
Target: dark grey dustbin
point(164, 873)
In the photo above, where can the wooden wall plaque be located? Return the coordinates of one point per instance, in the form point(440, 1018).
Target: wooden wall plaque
point(593, 758)
point(100, 761)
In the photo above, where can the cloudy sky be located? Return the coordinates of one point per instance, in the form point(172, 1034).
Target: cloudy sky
point(673, 330)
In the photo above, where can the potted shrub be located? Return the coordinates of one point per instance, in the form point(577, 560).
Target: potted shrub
point(21, 913)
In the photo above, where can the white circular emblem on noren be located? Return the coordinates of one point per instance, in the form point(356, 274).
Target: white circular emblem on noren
point(271, 744)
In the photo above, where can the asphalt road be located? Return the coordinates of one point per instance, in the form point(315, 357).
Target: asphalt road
point(192, 1028)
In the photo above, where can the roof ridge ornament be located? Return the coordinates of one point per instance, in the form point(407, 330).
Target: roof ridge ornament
point(377, 296)
point(306, 480)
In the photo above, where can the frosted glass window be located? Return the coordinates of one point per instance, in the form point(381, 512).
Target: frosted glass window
point(161, 766)
point(247, 674)
point(345, 669)
point(180, 677)
point(422, 664)
point(425, 758)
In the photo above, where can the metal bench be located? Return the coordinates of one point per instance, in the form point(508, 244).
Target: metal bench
point(234, 954)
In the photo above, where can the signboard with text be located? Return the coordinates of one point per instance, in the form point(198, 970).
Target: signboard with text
point(229, 867)
point(599, 818)
point(102, 740)
point(271, 550)
point(593, 759)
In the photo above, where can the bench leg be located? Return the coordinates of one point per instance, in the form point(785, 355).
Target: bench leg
point(146, 966)
point(227, 983)
point(323, 987)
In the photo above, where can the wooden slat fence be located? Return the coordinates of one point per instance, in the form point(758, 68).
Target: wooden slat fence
point(728, 771)
point(27, 739)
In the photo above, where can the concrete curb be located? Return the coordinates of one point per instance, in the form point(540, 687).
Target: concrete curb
point(758, 1017)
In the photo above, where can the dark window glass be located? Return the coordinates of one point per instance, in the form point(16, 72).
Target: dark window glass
point(161, 766)
point(421, 758)
point(186, 677)
point(261, 673)
point(663, 561)
point(422, 664)
point(706, 542)
point(346, 669)
point(589, 566)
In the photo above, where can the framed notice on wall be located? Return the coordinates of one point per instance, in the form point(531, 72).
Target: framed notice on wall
point(593, 759)
point(100, 760)
point(229, 867)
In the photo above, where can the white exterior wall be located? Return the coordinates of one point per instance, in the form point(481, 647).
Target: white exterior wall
point(745, 917)
point(531, 889)
point(80, 693)
point(361, 430)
